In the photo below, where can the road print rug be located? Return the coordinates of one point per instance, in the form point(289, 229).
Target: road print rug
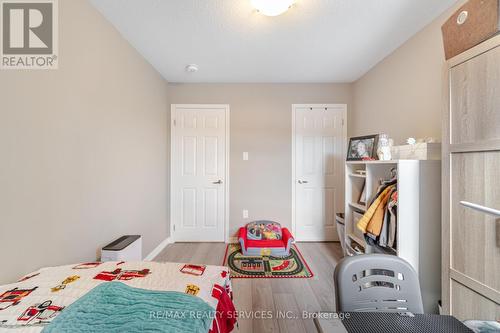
point(292, 266)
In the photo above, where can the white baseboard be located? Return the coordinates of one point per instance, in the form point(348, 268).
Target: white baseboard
point(156, 251)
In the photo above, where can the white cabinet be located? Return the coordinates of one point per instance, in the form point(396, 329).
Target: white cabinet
point(418, 231)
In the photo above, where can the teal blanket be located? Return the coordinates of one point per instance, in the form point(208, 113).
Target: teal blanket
point(116, 307)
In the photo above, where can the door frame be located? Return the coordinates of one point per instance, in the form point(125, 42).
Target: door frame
point(175, 109)
point(342, 108)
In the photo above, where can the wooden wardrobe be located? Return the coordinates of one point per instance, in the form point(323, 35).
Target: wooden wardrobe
point(471, 184)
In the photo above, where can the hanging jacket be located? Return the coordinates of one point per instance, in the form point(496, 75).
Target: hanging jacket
point(372, 220)
point(385, 235)
point(392, 207)
point(383, 186)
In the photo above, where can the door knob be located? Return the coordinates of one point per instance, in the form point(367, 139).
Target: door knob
point(303, 182)
point(218, 182)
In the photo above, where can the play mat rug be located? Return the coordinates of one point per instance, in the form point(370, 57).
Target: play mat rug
point(293, 266)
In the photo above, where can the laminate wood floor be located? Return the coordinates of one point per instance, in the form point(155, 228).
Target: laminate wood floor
point(274, 295)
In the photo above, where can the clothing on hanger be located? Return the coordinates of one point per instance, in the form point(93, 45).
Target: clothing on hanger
point(372, 220)
point(384, 233)
point(392, 207)
point(379, 223)
point(381, 189)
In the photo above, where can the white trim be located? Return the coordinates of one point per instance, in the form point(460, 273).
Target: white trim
point(173, 114)
point(228, 153)
point(156, 251)
point(172, 126)
point(294, 107)
point(341, 107)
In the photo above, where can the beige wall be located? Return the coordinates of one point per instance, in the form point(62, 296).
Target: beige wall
point(402, 95)
point(261, 124)
point(83, 149)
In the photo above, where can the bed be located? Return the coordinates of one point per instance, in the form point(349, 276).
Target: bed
point(139, 293)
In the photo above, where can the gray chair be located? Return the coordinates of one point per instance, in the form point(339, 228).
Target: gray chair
point(377, 283)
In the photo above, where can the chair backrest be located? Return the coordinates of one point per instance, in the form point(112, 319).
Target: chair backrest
point(377, 283)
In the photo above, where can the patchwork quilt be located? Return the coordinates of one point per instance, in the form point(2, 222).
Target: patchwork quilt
point(34, 301)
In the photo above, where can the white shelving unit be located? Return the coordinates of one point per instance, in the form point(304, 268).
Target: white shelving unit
point(419, 216)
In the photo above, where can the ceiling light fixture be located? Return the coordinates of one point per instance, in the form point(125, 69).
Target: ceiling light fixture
point(272, 7)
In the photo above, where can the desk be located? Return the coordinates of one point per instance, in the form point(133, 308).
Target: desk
point(377, 322)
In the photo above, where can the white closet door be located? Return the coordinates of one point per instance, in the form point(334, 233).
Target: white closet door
point(199, 173)
point(319, 173)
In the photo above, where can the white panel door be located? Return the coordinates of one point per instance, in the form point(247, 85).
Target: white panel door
point(319, 137)
point(199, 172)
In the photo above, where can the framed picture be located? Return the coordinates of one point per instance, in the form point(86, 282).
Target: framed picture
point(362, 148)
point(362, 196)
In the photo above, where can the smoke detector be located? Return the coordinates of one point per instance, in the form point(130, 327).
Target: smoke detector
point(192, 68)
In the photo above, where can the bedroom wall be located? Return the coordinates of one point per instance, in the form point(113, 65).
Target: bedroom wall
point(84, 150)
point(402, 95)
point(261, 124)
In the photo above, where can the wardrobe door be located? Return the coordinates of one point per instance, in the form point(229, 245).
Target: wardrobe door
point(475, 99)
point(475, 229)
point(471, 184)
point(468, 304)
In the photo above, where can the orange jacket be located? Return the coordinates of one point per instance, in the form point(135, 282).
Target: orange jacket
point(373, 219)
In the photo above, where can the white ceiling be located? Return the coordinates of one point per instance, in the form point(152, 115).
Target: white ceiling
point(315, 41)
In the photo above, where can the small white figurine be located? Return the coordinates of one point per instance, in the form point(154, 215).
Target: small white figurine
point(384, 148)
point(411, 141)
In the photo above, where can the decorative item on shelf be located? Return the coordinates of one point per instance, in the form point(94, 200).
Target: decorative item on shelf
point(362, 196)
point(362, 148)
point(411, 141)
point(384, 147)
point(418, 149)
